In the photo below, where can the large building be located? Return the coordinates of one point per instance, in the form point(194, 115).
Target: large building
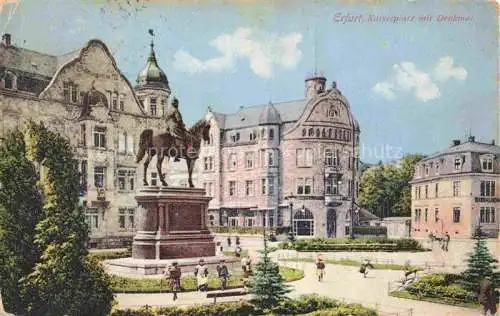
point(456, 190)
point(281, 164)
point(84, 96)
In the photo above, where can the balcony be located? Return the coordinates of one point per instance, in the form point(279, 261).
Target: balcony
point(332, 170)
point(335, 199)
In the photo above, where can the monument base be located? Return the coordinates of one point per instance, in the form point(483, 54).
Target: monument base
point(172, 224)
point(131, 266)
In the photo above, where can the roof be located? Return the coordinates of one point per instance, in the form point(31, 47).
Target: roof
point(152, 76)
point(469, 146)
point(366, 215)
point(289, 111)
point(269, 115)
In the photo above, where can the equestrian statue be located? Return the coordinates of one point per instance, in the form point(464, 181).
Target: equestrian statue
point(177, 142)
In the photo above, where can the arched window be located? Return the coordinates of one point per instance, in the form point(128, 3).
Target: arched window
point(323, 133)
point(304, 132)
point(329, 133)
point(262, 133)
point(318, 133)
point(336, 134)
point(332, 112)
point(271, 134)
point(303, 223)
point(311, 132)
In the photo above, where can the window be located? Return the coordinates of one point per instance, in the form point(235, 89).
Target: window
point(92, 219)
point(299, 157)
point(331, 187)
point(300, 186)
point(304, 132)
point(232, 188)
point(456, 215)
point(126, 179)
point(311, 132)
point(211, 189)
point(426, 170)
point(249, 188)
point(232, 162)
point(456, 188)
point(436, 215)
point(126, 218)
point(418, 214)
point(436, 190)
point(208, 163)
point(263, 186)
point(99, 177)
point(458, 163)
point(83, 135)
point(70, 92)
point(65, 91)
point(154, 178)
point(152, 106)
point(122, 105)
point(122, 137)
point(114, 101)
point(328, 157)
point(332, 112)
point(487, 188)
point(270, 158)
point(308, 186)
point(74, 93)
point(419, 191)
point(253, 136)
point(130, 144)
point(309, 157)
point(249, 221)
point(487, 164)
point(426, 191)
point(233, 221)
point(271, 134)
point(100, 137)
point(437, 169)
point(249, 160)
point(426, 215)
point(318, 133)
point(487, 214)
point(270, 190)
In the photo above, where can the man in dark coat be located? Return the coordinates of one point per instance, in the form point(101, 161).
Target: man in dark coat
point(487, 297)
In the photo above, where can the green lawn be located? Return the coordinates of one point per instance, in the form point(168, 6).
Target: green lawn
point(439, 300)
point(188, 283)
point(354, 263)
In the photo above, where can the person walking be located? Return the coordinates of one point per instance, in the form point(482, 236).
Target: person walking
point(223, 274)
point(320, 268)
point(201, 274)
point(446, 241)
point(237, 241)
point(363, 269)
point(229, 242)
point(173, 274)
point(487, 296)
point(237, 251)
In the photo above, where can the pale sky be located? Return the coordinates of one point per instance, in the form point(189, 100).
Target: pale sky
point(414, 80)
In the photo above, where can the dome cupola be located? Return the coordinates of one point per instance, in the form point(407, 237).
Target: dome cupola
point(152, 76)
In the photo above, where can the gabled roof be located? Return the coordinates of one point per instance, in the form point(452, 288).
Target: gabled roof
point(32, 62)
point(469, 146)
point(289, 111)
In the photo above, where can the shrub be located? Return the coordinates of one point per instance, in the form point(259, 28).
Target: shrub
point(303, 305)
point(443, 286)
point(370, 230)
point(107, 255)
point(357, 244)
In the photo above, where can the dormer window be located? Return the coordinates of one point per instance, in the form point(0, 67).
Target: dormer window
point(426, 170)
point(332, 112)
point(235, 137)
point(262, 133)
point(487, 163)
point(458, 163)
point(437, 168)
point(253, 136)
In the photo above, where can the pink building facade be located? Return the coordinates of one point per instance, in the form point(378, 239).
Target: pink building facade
point(284, 164)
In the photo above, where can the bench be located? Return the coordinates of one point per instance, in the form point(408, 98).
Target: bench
point(226, 293)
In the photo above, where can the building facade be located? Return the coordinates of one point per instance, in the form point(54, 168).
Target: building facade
point(456, 190)
point(284, 164)
point(85, 97)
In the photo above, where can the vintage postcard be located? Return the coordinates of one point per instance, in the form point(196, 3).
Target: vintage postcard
point(331, 157)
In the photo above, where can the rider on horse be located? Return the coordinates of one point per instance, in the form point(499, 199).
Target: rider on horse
point(175, 124)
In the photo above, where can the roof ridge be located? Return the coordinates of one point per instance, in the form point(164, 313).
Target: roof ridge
point(264, 105)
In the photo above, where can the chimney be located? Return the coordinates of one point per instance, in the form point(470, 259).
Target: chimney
point(6, 39)
point(456, 142)
point(472, 139)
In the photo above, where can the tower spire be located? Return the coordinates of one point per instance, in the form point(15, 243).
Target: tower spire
point(152, 56)
point(314, 48)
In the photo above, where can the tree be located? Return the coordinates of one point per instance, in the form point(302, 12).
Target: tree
point(480, 264)
point(267, 285)
point(385, 189)
point(20, 211)
point(63, 280)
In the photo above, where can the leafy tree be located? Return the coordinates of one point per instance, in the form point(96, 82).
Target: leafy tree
point(62, 278)
point(267, 285)
point(385, 189)
point(20, 211)
point(480, 264)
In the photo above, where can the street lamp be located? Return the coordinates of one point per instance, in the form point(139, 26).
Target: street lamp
point(291, 217)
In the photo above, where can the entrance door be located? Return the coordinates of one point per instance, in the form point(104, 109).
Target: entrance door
point(331, 223)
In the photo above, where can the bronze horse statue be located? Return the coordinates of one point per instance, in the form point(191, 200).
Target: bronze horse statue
point(165, 145)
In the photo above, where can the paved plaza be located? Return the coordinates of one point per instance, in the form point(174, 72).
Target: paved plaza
point(342, 282)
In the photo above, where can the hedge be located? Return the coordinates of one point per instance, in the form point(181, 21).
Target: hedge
point(188, 282)
point(107, 255)
point(303, 305)
point(443, 286)
point(356, 244)
point(248, 230)
point(370, 230)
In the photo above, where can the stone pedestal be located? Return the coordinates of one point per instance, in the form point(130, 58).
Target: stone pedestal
point(172, 223)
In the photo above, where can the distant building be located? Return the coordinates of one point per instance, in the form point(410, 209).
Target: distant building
point(456, 190)
point(282, 164)
point(84, 96)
